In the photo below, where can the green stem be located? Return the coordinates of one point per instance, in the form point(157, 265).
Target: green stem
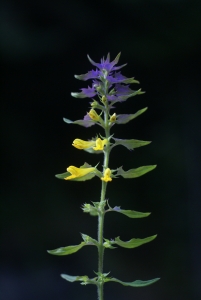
point(101, 211)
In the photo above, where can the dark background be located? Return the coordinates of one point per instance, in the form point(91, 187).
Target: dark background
point(43, 44)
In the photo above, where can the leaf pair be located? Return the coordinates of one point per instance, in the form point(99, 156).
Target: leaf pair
point(121, 119)
point(88, 241)
point(85, 280)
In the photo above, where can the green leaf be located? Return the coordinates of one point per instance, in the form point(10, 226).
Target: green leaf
point(84, 279)
point(130, 80)
point(136, 283)
point(62, 175)
point(133, 173)
point(85, 123)
point(71, 278)
point(130, 144)
point(125, 118)
point(129, 213)
point(67, 250)
point(133, 243)
point(134, 214)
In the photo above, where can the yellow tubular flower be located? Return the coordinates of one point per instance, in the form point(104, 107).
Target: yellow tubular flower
point(78, 172)
point(93, 115)
point(107, 174)
point(100, 144)
point(80, 144)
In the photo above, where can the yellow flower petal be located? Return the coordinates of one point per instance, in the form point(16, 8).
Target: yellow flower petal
point(100, 144)
point(107, 174)
point(78, 172)
point(80, 144)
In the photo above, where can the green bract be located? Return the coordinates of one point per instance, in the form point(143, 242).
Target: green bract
point(123, 119)
point(133, 173)
point(131, 144)
point(136, 283)
point(67, 250)
point(133, 243)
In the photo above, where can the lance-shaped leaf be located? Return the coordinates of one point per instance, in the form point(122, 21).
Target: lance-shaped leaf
point(85, 122)
point(67, 250)
point(84, 279)
point(130, 144)
point(133, 243)
point(124, 118)
point(136, 283)
point(129, 213)
point(88, 241)
point(133, 173)
point(120, 97)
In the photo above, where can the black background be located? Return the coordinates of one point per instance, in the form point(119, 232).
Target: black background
point(43, 45)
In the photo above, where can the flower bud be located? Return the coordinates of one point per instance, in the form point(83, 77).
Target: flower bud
point(94, 103)
point(93, 115)
point(113, 118)
point(103, 99)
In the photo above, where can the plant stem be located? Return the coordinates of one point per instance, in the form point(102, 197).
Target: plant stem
point(100, 251)
point(101, 210)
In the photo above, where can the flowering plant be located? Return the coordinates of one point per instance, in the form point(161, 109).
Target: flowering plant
point(109, 87)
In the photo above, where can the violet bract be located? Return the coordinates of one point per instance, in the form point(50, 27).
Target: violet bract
point(108, 87)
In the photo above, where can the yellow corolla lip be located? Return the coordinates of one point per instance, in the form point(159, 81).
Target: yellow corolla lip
point(107, 174)
point(78, 172)
point(80, 144)
point(100, 144)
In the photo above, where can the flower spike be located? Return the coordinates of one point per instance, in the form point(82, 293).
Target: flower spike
point(108, 87)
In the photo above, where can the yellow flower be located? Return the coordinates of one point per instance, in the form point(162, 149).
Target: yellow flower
point(107, 174)
point(93, 115)
point(100, 144)
point(78, 172)
point(80, 144)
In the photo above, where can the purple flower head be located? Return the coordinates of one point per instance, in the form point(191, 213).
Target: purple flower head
point(106, 81)
point(106, 65)
point(105, 68)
